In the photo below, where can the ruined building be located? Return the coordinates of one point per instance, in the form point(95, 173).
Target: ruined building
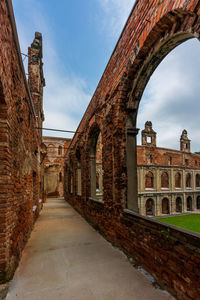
point(54, 165)
point(168, 180)
point(21, 149)
point(153, 29)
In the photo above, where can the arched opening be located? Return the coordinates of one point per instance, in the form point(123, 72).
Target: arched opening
point(165, 180)
point(165, 206)
point(149, 180)
point(96, 170)
point(147, 59)
point(178, 205)
point(189, 203)
point(78, 173)
point(60, 150)
point(60, 176)
point(188, 180)
point(197, 180)
point(71, 177)
point(198, 202)
point(178, 180)
point(150, 208)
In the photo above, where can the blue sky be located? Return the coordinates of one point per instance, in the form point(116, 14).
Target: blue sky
point(79, 37)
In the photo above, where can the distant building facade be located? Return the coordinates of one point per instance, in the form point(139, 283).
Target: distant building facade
point(168, 180)
point(53, 165)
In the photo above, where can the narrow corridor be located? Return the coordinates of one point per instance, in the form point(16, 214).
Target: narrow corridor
point(67, 259)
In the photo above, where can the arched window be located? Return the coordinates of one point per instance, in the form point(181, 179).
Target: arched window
point(178, 180)
point(96, 171)
point(198, 202)
point(78, 173)
point(197, 180)
point(165, 206)
point(188, 180)
point(71, 178)
point(189, 203)
point(60, 176)
point(178, 204)
point(164, 180)
point(149, 180)
point(150, 209)
point(60, 150)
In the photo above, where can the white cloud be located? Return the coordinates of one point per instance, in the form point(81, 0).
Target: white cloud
point(116, 14)
point(171, 99)
point(65, 96)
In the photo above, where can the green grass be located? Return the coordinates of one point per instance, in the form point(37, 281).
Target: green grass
point(189, 222)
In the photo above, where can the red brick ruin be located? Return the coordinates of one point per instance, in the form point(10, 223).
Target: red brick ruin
point(100, 164)
point(172, 256)
point(21, 149)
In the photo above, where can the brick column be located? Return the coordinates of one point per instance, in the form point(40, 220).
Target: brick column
point(131, 148)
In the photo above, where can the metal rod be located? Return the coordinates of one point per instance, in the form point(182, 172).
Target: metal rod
point(50, 129)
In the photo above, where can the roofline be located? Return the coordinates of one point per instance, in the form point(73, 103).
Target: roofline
point(16, 40)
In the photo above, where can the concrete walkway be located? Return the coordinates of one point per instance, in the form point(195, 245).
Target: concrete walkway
point(66, 259)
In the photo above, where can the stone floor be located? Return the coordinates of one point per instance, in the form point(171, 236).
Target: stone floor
point(67, 259)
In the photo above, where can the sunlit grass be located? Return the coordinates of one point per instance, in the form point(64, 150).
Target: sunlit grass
point(189, 222)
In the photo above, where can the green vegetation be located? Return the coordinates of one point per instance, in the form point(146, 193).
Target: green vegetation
point(189, 222)
point(197, 153)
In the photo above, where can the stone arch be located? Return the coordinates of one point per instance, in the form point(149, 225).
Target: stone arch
point(165, 206)
point(198, 202)
point(188, 180)
point(150, 207)
point(149, 180)
point(179, 205)
point(178, 180)
point(95, 152)
point(171, 30)
point(164, 180)
point(197, 180)
point(79, 172)
point(189, 203)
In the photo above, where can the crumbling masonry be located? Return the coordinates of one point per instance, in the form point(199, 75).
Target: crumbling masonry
point(21, 150)
point(154, 28)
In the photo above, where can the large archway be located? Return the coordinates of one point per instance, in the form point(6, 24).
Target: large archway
point(161, 48)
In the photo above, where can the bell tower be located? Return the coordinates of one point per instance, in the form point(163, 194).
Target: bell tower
point(184, 142)
point(148, 135)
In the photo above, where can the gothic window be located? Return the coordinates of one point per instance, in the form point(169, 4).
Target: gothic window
point(165, 180)
point(178, 180)
point(188, 180)
point(149, 180)
point(189, 203)
point(165, 206)
point(60, 177)
point(150, 207)
point(197, 180)
point(178, 204)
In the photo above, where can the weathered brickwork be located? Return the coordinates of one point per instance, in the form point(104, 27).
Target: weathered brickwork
point(20, 142)
point(154, 28)
point(53, 165)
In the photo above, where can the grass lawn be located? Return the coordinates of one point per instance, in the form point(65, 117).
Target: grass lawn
point(189, 222)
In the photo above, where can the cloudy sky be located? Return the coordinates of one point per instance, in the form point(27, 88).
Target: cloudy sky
point(79, 37)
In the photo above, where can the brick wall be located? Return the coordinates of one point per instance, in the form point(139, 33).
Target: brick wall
point(153, 29)
point(19, 149)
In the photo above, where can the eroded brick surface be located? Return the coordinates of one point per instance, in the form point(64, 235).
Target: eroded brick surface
point(20, 158)
point(153, 29)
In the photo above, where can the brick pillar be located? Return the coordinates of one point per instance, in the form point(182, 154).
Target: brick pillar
point(131, 149)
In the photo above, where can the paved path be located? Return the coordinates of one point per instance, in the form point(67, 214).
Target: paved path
point(66, 259)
